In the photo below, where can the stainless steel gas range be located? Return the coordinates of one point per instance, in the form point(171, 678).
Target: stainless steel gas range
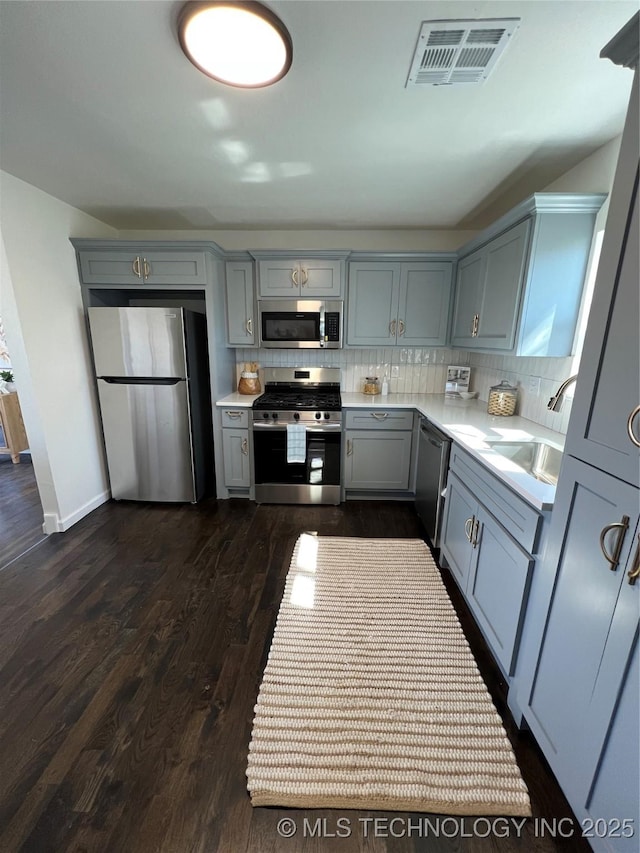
point(297, 435)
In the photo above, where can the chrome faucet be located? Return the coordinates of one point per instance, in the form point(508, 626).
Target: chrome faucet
point(556, 401)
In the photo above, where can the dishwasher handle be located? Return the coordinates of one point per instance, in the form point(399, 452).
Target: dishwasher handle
point(433, 437)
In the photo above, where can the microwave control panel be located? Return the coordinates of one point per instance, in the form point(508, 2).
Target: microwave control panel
point(332, 326)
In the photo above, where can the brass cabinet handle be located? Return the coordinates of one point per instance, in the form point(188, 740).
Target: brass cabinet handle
point(476, 529)
point(379, 416)
point(349, 447)
point(468, 527)
point(392, 329)
point(401, 327)
point(136, 268)
point(233, 415)
point(146, 269)
point(249, 326)
point(622, 526)
point(630, 431)
point(294, 276)
point(634, 573)
point(305, 276)
point(245, 446)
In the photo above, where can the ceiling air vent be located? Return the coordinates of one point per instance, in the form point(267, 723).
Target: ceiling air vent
point(450, 53)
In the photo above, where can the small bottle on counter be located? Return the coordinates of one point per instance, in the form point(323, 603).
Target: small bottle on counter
point(385, 386)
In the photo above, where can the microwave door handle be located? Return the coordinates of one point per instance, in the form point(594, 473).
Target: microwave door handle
point(321, 326)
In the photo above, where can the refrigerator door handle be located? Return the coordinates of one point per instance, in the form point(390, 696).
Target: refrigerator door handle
point(138, 380)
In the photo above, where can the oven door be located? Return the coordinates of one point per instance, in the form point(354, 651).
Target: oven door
point(316, 480)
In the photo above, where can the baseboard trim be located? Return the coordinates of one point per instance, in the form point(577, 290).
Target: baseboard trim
point(54, 524)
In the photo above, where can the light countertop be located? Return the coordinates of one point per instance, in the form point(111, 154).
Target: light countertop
point(467, 423)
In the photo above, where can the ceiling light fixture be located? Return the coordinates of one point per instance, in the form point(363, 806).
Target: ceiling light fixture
point(239, 43)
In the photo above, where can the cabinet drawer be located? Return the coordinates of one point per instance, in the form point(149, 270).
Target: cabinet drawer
point(238, 418)
point(515, 514)
point(379, 419)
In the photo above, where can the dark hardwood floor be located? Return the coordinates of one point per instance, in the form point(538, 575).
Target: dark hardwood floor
point(131, 652)
point(20, 508)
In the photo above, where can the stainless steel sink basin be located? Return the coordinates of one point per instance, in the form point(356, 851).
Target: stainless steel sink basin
point(537, 458)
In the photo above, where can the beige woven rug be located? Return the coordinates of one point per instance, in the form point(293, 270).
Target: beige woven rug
point(371, 698)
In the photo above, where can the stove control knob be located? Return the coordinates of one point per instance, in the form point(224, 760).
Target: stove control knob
point(265, 415)
point(318, 416)
point(296, 416)
point(327, 416)
point(274, 415)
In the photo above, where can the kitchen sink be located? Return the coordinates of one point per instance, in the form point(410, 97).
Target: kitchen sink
point(537, 458)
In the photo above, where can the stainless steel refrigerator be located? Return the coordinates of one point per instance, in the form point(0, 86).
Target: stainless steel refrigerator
point(152, 373)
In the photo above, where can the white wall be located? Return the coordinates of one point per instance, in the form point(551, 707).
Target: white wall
point(44, 322)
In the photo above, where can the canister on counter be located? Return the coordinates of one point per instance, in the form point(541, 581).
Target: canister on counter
point(502, 399)
point(371, 385)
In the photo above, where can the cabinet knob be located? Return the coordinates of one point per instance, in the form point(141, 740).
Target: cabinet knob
point(136, 268)
point(468, 527)
point(400, 327)
point(392, 329)
point(349, 447)
point(305, 277)
point(294, 277)
point(245, 447)
point(249, 326)
point(622, 526)
point(146, 269)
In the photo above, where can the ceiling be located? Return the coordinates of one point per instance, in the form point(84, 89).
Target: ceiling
point(100, 108)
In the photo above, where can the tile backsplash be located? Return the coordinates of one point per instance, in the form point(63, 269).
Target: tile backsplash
point(423, 371)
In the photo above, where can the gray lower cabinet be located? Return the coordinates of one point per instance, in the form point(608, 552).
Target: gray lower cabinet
point(405, 304)
point(583, 705)
point(235, 448)
point(491, 568)
point(241, 317)
point(126, 266)
point(519, 284)
point(378, 450)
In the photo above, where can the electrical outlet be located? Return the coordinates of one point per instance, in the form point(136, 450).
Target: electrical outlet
point(533, 386)
point(395, 371)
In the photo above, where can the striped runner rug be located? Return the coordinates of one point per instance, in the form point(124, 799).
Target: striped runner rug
point(371, 698)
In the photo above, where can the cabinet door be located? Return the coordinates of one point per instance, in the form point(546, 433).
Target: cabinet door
point(605, 419)
point(468, 283)
point(240, 304)
point(279, 278)
point(460, 511)
point(373, 303)
point(498, 587)
point(564, 708)
point(615, 787)
point(321, 278)
point(235, 449)
point(377, 460)
point(423, 307)
point(126, 267)
point(502, 284)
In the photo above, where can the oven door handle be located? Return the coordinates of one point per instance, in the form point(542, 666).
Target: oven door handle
point(323, 428)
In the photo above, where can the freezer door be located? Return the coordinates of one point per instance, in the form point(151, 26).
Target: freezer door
point(143, 342)
point(148, 440)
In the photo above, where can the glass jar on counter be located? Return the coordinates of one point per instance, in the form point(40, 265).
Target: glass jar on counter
point(502, 399)
point(371, 385)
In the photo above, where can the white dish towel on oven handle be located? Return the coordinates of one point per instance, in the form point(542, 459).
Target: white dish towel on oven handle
point(296, 443)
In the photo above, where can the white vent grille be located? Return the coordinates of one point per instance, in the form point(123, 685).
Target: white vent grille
point(449, 53)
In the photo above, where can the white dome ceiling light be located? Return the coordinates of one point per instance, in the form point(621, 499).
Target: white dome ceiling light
point(238, 43)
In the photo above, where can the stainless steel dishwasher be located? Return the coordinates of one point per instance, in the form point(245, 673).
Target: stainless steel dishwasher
point(433, 464)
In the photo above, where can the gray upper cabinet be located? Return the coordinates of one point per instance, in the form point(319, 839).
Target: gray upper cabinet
point(605, 417)
point(240, 288)
point(125, 266)
point(519, 284)
point(312, 278)
point(399, 303)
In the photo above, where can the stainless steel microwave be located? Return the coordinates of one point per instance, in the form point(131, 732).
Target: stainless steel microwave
point(300, 324)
